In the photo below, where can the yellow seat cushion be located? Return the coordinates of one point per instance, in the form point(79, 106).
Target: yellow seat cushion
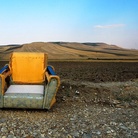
point(28, 67)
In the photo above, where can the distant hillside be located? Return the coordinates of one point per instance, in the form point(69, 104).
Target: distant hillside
point(71, 51)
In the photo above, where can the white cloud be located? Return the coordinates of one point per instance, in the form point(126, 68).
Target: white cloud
point(109, 26)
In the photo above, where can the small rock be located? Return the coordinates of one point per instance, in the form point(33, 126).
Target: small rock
point(11, 136)
point(49, 131)
point(35, 134)
point(4, 129)
point(108, 131)
point(113, 123)
point(69, 136)
point(42, 135)
point(86, 135)
point(63, 87)
point(77, 92)
point(22, 132)
point(2, 120)
point(126, 104)
point(133, 104)
point(12, 132)
point(112, 130)
point(136, 131)
point(98, 133)
point(75, 134)
point(4, 137)
point(132, 126)
point(64, 98)
point(123, 127)
point(72, 119)
point(115, 102)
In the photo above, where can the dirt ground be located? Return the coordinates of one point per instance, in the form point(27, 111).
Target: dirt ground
point(96, 82)
point(94, 100)
point(96, 71)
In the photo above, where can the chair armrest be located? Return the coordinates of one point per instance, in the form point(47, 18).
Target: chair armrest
point(4, 73)
point(1, 91)
point(6, 67)
point(51, 74)
point(2, 84)
point(53, 83)
point(51, 70)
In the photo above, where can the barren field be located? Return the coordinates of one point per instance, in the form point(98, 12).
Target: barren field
point(72, 51)
point(94, 100)
point(104, 79)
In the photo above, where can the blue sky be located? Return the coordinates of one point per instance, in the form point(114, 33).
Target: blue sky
point(109, 21)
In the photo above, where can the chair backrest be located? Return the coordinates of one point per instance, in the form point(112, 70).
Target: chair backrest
point(28, 67)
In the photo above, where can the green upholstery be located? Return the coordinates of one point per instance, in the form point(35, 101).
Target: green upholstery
point(1, 96)
point(50, 92)
point(23, 100)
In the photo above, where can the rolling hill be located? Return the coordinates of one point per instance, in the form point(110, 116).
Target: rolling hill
point(72, 51)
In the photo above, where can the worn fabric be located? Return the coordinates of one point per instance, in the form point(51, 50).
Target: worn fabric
point(28, 67)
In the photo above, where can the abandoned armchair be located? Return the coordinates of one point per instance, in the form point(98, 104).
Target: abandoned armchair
point(28, 82)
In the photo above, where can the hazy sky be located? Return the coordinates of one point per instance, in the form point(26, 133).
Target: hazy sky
point(109, 21)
